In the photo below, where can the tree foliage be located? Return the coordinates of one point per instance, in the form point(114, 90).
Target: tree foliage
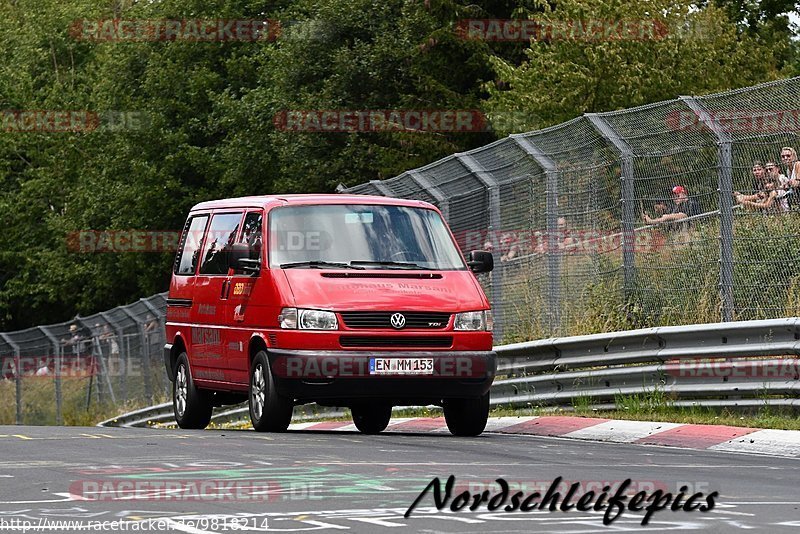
point(694, 52)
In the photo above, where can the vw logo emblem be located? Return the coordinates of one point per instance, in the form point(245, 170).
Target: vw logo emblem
point(398, 320)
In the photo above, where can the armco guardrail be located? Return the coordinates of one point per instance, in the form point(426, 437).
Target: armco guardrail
point(729, 364)
point(719, 364)
point(163, 414)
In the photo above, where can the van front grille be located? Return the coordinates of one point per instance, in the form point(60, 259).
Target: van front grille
point(433, 342)
point(368, 319)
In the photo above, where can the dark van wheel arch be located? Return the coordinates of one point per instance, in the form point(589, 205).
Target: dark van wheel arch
point(190, 405)
point(269, 412)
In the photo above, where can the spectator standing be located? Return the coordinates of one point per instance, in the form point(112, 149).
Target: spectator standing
point(759, 177)
point(785, 191)
point(789, 160)
point(74, 341)
point(108, 339)
point(508, 248)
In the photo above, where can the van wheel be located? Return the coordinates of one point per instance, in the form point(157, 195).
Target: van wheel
point(467, 417)
point(371, 418)
point(269, 412)
point(191, 406)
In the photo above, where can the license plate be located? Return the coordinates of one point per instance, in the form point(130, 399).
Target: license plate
point(401, 366)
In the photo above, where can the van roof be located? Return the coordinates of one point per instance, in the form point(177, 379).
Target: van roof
point(285, 200)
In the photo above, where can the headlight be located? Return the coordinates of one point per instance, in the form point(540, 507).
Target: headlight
point(477, 320)
point(293, 318)
point(317, 320)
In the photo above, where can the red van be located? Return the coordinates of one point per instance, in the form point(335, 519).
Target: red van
point(353, 301)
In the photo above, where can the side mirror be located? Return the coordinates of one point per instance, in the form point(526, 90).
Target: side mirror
point(239, 259)
point(480, 261)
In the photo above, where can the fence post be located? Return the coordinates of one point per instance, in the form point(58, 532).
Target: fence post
point(148, 388)
point(628, 197)
point(98, 347)
point(493, 191)
point(158, 317)
point(422, 181)
point(57, 373)
point(553, 252)
point(17, 377)
point(725, 200)
point(124, 359)
point(382, 187)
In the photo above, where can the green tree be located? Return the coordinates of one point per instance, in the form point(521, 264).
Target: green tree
point(692, 52)
point(362, 55)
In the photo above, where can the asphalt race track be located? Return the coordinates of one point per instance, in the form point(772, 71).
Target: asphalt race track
point(148, 480)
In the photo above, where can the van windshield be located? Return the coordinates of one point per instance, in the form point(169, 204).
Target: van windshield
point(357, 236)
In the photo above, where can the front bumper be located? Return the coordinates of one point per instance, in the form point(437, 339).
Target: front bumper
point(344, 377)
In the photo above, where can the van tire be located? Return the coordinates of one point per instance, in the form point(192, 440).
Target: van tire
point(269, 412)
point(466, 417)
point(191, 406)
point(371, 418)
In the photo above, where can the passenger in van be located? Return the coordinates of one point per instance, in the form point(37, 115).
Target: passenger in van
point(216, 260)
point(251, 235)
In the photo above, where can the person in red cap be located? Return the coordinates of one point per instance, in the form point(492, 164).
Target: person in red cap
point(683, 208)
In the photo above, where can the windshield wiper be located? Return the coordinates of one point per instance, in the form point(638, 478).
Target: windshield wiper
point(403, 264)
point(319, 264)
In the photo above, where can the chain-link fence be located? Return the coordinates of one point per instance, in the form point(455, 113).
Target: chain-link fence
point(678, 212)
point(56, 373)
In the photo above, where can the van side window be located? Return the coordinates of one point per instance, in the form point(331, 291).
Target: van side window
point(221, 236)
point(189, 250)
point(251, 233)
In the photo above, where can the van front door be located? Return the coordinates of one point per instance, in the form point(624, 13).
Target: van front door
point(211, 292)
point(244, 286)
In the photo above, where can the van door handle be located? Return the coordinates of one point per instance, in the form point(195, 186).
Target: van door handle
point(226, 285)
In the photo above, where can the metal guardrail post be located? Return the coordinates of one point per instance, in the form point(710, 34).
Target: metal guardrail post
point(17, 377)
point(553, 250)
point(422, 181)
point(57, 373)
point(725, 199)
point(628, 194)
point(493, 191)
